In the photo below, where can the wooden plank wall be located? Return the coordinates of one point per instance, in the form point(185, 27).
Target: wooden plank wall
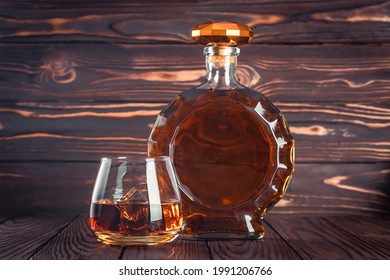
point(85, 79)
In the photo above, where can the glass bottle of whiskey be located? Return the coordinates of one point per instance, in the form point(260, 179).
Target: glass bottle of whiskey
point(230, 146)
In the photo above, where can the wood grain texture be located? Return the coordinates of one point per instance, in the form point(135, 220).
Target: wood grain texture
point(287, 237)
point(160, 22)
point(47, 186)
point(22, 236)
point(271, 247)
point(316, 238)
point(177, 250)
point(315, 188)
point(337, 189)
point(324, 132)
point(77, 241)
point(5, 217)
point(155, 73)
point(374, 231)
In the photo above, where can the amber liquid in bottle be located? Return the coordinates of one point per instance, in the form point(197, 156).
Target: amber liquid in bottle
point(226, 146)
point(230, 147)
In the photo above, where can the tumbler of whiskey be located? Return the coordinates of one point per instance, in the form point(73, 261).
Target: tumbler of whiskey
point(135, 203)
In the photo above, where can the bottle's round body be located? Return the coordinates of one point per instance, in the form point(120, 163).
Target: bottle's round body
point(233, 156)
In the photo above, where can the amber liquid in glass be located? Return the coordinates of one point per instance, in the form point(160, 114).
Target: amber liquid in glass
point(224, 154)
point(110, 221)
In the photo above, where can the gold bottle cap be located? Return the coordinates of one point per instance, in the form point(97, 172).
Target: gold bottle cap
point(222, 33)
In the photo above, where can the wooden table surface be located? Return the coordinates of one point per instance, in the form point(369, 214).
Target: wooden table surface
point(287, 237)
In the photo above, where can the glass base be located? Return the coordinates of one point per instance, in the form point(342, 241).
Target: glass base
point(240, 226)
point(222, 236)
point(126, 240)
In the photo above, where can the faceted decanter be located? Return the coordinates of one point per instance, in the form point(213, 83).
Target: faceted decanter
point(230, 146)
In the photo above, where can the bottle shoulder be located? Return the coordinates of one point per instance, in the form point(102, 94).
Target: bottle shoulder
point(236, 107)
point(197, 98)
point(199, 93)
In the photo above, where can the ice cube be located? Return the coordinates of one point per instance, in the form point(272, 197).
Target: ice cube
point(134, 218)
point(134, 195)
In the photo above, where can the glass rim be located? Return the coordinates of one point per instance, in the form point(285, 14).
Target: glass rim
point(135, 159)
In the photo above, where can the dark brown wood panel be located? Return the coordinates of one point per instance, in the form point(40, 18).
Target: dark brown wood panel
point(22, 236)
point(271, 247)
point(177, 250)
point(315, 238)
point(287, 237)
point(159, 21)
point(374, 231)
point(77, 241)
point(4, 217)
point(47, 187)
point(155, 73)
point(315, 188)
point(325, 132)
point(337, 189)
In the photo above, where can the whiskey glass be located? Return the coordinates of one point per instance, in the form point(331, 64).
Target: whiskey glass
point(135, 203)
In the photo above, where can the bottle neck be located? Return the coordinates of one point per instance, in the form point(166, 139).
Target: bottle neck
point(221, 62)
